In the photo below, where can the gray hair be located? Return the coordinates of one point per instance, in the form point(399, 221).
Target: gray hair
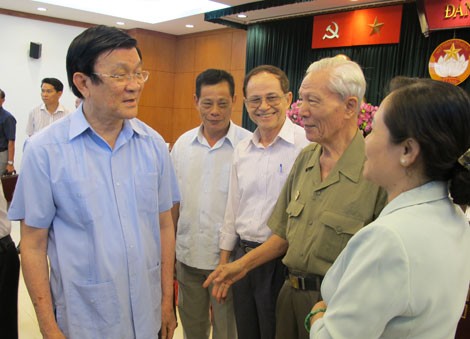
point(345, 77)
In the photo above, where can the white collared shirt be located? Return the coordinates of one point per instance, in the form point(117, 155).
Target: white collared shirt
point(257, 177)
point(203, 176)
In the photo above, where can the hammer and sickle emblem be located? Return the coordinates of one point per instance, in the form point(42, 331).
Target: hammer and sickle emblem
point(333, 32)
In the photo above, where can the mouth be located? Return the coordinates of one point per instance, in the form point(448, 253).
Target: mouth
point(261, 115)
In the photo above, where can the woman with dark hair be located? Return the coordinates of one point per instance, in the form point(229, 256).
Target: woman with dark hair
point(406, 275)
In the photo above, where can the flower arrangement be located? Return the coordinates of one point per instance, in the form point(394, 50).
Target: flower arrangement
point(366, 115)
point(293, 113)
point(364, 121)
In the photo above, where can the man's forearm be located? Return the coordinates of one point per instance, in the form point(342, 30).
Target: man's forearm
point(167, 234)
point(36, 276)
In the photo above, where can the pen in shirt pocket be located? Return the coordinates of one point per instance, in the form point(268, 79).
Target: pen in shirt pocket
point(280, 168)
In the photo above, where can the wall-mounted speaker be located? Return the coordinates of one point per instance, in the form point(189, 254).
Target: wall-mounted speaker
point(35, 50)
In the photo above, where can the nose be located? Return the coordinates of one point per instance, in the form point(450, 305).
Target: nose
point(264, 104)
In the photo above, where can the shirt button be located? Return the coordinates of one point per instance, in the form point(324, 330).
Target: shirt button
point(318, 193)
point(310, 222)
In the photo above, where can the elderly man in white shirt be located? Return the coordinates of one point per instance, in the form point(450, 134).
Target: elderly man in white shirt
point(260, 167)
point(202, 159)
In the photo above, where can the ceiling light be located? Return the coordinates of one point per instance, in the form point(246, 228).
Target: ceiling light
point(189, 26)
point(42, 9)
point(152, 12)
point(241, 15)
point(120, 23)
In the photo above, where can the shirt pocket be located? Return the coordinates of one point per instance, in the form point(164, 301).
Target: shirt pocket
point(146, 191)
point(293, 210)
point(335, 232)
point(94, 306)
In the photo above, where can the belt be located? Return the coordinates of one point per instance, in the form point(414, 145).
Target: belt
point(6, 242)
point(247, 246)
point(305, 281)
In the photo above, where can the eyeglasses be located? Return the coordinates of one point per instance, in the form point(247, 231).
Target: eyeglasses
point(271, 100)
point(122, 78)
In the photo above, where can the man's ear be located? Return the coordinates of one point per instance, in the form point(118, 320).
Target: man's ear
point(80, 81)
point(351, 107)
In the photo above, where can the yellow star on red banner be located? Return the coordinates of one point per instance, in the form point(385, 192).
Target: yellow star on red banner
point(376, 27)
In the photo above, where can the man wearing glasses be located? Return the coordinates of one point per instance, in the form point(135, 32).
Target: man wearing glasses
point(94, 197)
point(260, 167)
point(51, 109)
point(202, 158)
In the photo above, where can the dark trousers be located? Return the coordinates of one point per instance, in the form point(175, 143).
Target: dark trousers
point(293, 306)
point(9, 278)
point(254, 299)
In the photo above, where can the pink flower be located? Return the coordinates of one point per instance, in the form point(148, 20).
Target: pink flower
point(365, 117)
point(293, 114)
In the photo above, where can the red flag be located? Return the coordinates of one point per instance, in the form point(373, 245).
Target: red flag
point(362, 27)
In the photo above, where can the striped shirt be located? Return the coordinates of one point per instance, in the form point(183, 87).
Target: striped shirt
point(39, 118)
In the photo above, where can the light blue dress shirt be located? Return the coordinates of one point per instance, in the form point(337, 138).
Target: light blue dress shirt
point(405, 275)
point(102, 207)
point(203, 175)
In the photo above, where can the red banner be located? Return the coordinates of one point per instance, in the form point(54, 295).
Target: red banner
point(446, 14)
point(362, 27)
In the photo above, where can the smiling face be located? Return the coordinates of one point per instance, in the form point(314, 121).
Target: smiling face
point(324, 113)
point(266, 86)
point(215, 108)
point(107, 99)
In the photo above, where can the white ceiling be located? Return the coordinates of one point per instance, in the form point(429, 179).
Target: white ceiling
point(177, 27)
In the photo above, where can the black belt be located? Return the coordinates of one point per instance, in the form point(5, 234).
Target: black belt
point(247, 246)
point(305, 281)
point(6, 242)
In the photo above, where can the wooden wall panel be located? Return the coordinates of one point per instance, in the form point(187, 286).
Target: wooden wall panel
point(213, 51)
point(159, 118)
point(174, 63)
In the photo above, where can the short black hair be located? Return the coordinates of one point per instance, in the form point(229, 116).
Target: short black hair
point(2, 94)
point(89, 45)
point(213, 76)
point(56, 83)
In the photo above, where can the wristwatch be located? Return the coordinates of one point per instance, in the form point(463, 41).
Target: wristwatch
point(9, 162)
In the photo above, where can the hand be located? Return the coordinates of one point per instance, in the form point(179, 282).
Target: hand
point(223, 277)
point(9, 169)
point(168, 322)
point(318, 305)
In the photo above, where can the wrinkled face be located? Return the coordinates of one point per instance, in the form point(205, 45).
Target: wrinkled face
point(265, 101)
point(111, 98)
point(215, 107)
point(322, 111)
point(382, 164)
point(49, 95)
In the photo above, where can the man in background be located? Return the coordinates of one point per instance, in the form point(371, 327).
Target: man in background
point(94, 197)
point(202, 158)
point(7, 138)
point(51, 109)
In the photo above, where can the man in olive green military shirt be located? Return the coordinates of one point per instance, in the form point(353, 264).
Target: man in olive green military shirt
point(325, 199)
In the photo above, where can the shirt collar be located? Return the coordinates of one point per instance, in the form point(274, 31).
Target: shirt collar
point(230, 136)
point(431, 191)
point(287, 133)
point(79, 124)
point(352, 160)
